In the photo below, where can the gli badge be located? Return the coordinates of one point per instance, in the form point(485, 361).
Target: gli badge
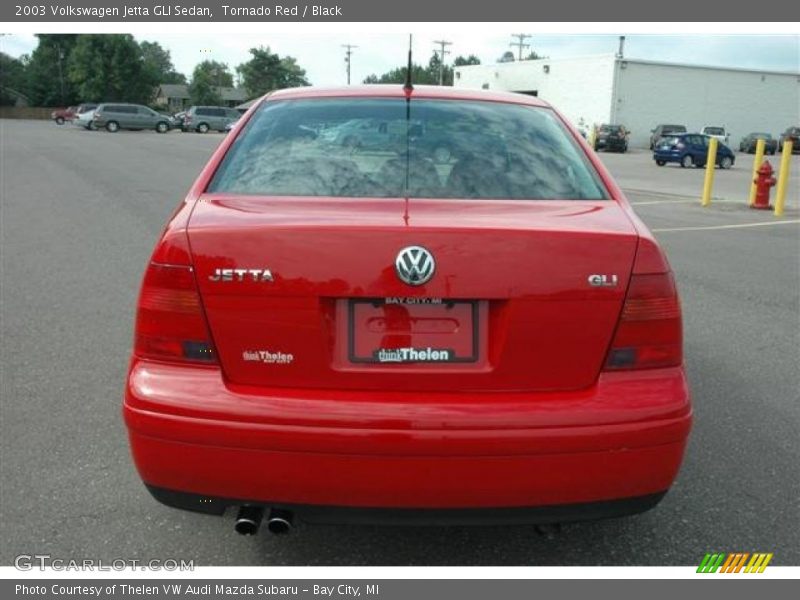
point(602, 280)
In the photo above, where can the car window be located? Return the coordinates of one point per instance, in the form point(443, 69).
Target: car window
point(714, 131)
point(428, 148)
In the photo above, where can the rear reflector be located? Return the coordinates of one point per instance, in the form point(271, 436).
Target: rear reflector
point(649, 334)
point(170, 324)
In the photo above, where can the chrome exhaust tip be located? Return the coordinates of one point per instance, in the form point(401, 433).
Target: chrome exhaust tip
point(280, 522)
point(248, 520)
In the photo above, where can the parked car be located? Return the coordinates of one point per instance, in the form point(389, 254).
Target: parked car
point(691, 149)
point(362, 134)
point(663, 131)
point(115, 116)
point(612, 137)
point(177, 120)
point(748, 143)
point(720, 133)
point(206, 118)
point(84, 115)
point(793, 134)
point(307, 342)
point(229, 127)
point(62, 115)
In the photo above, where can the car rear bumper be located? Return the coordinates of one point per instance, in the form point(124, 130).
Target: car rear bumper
point(194, 438)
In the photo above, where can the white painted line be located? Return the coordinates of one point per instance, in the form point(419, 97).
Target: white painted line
point(738, 226)
point(687, 201)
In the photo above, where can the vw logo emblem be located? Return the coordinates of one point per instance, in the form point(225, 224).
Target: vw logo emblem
point(414, 265)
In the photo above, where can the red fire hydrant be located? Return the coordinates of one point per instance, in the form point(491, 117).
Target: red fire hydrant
point(764, 181)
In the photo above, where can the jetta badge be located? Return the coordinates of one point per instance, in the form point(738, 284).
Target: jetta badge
point(241, 275)
point(414, 265)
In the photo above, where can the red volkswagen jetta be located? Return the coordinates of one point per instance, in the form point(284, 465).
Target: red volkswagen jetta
point(381, 303)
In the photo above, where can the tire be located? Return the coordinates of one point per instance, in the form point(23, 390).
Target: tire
point(59, 120)
point(112, 127)
point(162, 127)
point(725, 162)
point(203, 128)
point(661, 163)
point(687, 161)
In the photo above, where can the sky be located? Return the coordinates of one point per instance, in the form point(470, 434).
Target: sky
point(322, 54)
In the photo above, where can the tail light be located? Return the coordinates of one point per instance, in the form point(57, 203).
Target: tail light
point(650, 333)
point(170, 323)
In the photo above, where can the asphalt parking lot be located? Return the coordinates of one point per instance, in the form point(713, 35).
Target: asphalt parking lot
point(80, 213)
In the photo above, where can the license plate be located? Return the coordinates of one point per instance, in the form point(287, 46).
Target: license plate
point(412, 330)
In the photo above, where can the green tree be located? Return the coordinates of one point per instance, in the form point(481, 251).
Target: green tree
point(461, 61)
point(110, 67)
point(12, 79)
point(508, 56)
point(207, 79)
point(422, 75)
point(266, 71)
point(158, 63)
point(532, 55)
point(47, 81)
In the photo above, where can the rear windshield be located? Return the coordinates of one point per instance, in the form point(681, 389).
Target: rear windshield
point(673, 129)
point(714, 131)
point(391, 148)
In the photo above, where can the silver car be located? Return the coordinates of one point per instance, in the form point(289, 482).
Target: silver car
point(116, 115)
point(205, 118)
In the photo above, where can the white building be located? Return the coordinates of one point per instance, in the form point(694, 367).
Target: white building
point(641, 94)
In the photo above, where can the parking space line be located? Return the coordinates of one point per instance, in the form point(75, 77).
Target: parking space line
point(735, 226)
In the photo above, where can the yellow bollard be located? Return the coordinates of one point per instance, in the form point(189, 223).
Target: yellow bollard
point(760, 147)
point(711, 163)
point(783, 178)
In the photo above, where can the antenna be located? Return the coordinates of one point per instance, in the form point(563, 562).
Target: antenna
point(408, 86)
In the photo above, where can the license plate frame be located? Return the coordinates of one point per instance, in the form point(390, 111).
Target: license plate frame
point(474, 317)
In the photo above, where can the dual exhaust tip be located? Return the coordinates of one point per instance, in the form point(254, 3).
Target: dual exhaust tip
point(248, 521)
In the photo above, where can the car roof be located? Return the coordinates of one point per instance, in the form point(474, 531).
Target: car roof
point(398, 91)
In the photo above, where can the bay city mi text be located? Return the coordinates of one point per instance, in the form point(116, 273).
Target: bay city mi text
point(208, 589)
point(299, 11)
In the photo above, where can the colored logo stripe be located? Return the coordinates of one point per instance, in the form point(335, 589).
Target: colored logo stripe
point(734, 562)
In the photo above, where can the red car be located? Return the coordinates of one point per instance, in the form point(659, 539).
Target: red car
point(366, 334)
point(62, 115)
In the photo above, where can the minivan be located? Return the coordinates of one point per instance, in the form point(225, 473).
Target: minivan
point(116, 116)
point(205, 118)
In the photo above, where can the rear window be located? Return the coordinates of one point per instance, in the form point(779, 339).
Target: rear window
point(673, 129)
point(388, 148)
point(714, 131)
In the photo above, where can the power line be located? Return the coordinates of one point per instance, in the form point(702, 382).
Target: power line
point(442, 52)
point(348, 53)
point(520, 43)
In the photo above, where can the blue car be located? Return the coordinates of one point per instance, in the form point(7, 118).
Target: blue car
point(690, 149)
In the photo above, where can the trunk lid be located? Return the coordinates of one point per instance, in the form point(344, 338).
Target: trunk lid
point(313, 311)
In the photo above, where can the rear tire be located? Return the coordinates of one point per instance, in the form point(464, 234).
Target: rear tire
point(112, 127)
point(59, 120)
point(725, 162)
point(687, 161)
point(203, 128)
point(661, 163)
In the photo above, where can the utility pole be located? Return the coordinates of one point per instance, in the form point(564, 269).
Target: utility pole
point(347, 54)
point(442, 52)
point(520, 43)
point(61, 72)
